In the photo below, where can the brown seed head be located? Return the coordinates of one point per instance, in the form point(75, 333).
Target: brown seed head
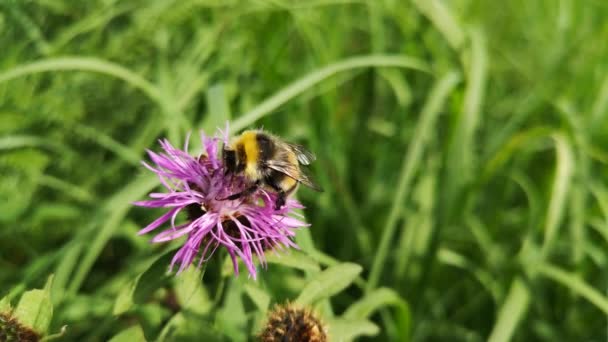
point(288, 323)
point(12, 330)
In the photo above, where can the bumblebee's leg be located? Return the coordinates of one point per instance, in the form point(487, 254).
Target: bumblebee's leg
point(273, 179)
point(280, 200)
point(292, 189)
point(245, 192)
point(282, 196)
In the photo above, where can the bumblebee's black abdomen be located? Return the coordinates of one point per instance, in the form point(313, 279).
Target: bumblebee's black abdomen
point(265, 146)
point(274, 179)
point(241, 157)
point(280, 182)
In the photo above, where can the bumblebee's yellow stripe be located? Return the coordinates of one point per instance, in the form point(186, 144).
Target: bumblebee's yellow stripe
point(250, 142)
point(288, 184)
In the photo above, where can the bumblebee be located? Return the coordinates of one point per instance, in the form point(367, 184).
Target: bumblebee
point(266, 160)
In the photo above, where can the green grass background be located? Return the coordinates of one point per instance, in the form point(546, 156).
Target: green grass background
point(462, 146)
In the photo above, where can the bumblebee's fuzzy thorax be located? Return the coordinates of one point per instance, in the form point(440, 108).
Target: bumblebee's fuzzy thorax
point(268, 161)
point(248, 154)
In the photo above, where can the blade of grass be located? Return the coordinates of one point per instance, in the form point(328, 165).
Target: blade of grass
point(473, 101)
point(421, 138)
point(84, 64)
point(72, 190)
point(461, 158)
point(451, 258)
point(107, 142)
point(172, 116)
point(576, 284)
point(418, 229)
point(94, 21)
point(559, 192)
point(577, 210)
point(64, 268)
point(29, 26)
point(511, 313)
point(445, 22)
point(116, 207)
point(10, 142)
point(308, 81)
point(599, 110)
point(517, 141)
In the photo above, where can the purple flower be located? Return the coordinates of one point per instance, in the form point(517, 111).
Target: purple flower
point(198, 186)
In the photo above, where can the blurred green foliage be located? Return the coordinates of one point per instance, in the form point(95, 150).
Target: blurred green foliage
point(461, 144)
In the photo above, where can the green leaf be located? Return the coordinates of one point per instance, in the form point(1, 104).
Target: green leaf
point(231, 318)
point(329, 282)
point(124, 300)
point(172, 327)
point(228, 268)
point(82, 307)
point(259, 297)
point(155, 277)
point(191, 293)
point(132, 334)
point(5, 305)
point(349, 329)
point(184, 327)
point(138, 290)
point(152, 315)
point(378, 299)
point(295, 259)
point(35, 309)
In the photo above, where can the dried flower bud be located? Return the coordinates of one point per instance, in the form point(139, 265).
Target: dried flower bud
point(12, 330)
point(288, 323)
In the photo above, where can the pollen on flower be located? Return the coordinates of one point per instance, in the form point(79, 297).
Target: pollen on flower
point(199, 186)
point(289, 323)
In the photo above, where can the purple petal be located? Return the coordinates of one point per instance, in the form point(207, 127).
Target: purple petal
point(158, 222)
point(173, 233)
point(235, 263)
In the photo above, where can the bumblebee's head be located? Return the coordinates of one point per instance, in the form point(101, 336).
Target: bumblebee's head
point(229, 158)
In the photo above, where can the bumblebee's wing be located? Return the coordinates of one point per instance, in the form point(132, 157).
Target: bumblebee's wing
point(305, 157)
point(306, 179)
point(294, 172)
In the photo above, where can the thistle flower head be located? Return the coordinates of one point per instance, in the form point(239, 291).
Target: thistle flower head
point(199, 186)
point(289, 323)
